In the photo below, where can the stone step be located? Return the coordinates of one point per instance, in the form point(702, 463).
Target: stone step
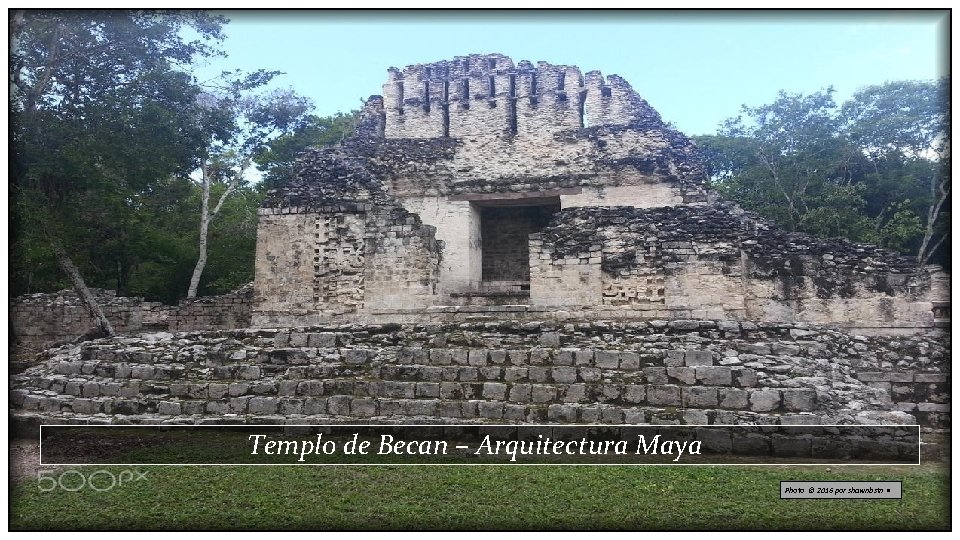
point(368, 408)
point(292, 396)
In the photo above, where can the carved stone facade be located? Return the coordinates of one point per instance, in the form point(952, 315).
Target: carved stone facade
point(478, 187)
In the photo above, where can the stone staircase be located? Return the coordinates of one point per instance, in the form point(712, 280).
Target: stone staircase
point(655, 372)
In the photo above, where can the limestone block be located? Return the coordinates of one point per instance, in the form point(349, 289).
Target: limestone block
point(698, 358)
point(764, 400)
point(131, 389)
point(930, 377)
point(714, 375)
point(733, 398)
point(538, 374)
point(562, 413)
point(496, 391)
point(589, 375)
point(193, 407)
point(699, 396)
point(357, 357)
point(518, 357)
point(610, 392)
point(238, 405)
point(520, 393)
point(799, 399)
point(468, 374)
point(460, 357)
point(801, 420)
point(477, 357)
point(512, 374)
point(218, 390)
point(263, 405)
point(549, 339)
point(542, 393)
point(490, 409)
point(564, 357)
point(170, 408)
point(363, 407)
point(574, 393)
point(249, 372)
point(686, 375)
point(665, 395)
point(90, 390)
point(683, 324)
point(745, 377)
point(217, 407)
point(584, 357)
point(565, 375)
point(695, 417)
point(607, 359)
point(322, 339)
point(491, 373)
point(497, 357)
point(336, 405)
point(427, 389)
point(634, 416)
point(451, 390)
point(611, 415)
point(514, 413)
point(655, 375)
point(674, 358)
point(629, 361)
point(634, 393)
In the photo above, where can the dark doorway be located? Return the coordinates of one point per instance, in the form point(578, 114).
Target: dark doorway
point(505, 233)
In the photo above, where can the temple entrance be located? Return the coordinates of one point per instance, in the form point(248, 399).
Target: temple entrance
point(505, 231)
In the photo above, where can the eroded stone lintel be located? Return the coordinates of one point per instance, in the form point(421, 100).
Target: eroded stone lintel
point(533, 197)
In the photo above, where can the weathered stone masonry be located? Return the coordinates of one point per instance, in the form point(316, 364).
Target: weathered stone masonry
point(718, 262)
point(39, 321)
point(476, 154)
point(660, 372)
point(508, 242)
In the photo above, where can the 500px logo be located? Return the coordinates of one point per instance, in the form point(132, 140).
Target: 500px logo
point(75, 480)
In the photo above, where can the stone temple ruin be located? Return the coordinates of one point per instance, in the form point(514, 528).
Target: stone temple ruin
point(508, 242)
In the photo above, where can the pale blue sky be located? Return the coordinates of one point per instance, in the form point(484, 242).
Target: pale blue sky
point(695, 68)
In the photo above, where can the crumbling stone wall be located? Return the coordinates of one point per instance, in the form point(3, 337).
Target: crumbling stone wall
point(43, 320)
point(638, 234)
point(657, 372)
point(321, 254)
point(716, 261)
point(224, 312)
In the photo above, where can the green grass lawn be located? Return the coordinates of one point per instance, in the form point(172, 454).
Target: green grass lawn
point(484, 497)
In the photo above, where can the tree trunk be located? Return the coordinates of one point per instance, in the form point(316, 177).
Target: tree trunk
point(124, 265)
point(933, 214)
point(63, 260)
point(204, 227)
point(206, 215)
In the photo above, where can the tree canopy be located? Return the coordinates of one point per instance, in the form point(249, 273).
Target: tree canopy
point(874, 169)
point(100, 110)
point(110, 127)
